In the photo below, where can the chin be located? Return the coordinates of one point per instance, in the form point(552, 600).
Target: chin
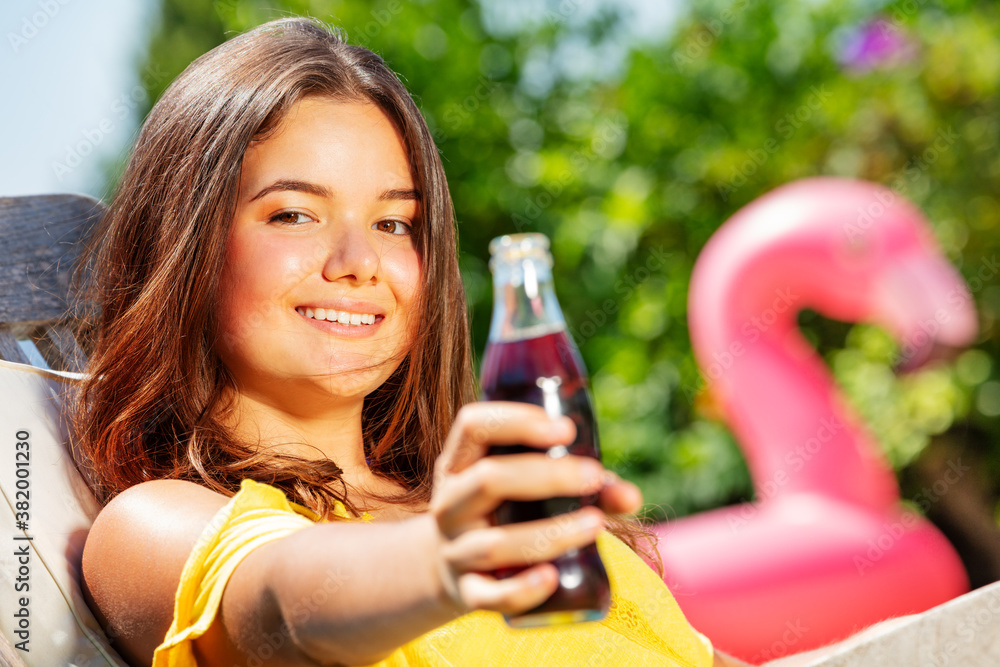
point(353, 382)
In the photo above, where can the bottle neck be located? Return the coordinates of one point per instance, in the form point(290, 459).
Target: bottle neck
point(524, 301)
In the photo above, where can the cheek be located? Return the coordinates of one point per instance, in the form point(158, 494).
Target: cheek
point(402, 269)
point(260, 269)
point(257, 272)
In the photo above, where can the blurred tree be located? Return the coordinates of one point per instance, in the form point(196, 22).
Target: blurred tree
point(554, 117)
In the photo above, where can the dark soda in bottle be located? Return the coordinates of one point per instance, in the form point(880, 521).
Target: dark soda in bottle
point(531, 358)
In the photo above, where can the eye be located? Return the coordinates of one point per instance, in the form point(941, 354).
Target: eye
point(290, 218)
point(392, 227)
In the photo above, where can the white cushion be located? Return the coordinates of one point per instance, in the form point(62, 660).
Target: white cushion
point(61, 628)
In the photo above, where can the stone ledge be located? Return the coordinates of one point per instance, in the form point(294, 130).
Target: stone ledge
point(964, 632)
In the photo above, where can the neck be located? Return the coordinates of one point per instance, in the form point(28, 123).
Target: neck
point(306, 427)
point(797, 431)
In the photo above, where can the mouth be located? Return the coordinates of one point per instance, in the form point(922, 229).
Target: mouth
point(342, 317)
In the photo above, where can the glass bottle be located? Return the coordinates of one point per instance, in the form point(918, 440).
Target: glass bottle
point(531, 358)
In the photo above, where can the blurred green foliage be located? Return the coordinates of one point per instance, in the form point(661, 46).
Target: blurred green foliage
point(629, 169)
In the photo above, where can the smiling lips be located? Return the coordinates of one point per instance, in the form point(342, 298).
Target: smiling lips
point(340, 316)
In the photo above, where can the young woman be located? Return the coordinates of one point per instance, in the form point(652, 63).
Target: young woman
point(279, 411)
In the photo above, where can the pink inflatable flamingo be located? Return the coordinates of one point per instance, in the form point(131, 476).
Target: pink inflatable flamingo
point(827, 548)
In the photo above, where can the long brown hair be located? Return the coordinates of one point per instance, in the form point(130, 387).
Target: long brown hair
point(150, 407)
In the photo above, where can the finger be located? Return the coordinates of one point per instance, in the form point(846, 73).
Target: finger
point(478, 490)
point(512, 596)
point(619, 496)
point(479, 425)
point(523, 543)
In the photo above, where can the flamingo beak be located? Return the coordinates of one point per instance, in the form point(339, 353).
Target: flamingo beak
point(926, 304)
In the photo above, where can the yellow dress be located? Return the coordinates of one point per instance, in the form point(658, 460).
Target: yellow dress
point(644, 626)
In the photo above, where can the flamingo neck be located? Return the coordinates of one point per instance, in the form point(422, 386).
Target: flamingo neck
point(797, 431)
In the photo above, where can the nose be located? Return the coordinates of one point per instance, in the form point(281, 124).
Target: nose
point(350, 255)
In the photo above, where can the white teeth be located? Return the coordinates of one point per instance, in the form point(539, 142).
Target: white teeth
point(340, 316)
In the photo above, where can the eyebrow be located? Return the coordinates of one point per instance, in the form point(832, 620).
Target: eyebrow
point(298, 186)
point(400, 194)
point(321, 191)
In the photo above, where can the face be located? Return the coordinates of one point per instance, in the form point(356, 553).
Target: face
point(321, 273)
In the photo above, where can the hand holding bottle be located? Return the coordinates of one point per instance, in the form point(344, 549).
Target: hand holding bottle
point(469, 486)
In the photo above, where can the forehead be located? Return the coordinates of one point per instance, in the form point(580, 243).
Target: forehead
point(331, 140)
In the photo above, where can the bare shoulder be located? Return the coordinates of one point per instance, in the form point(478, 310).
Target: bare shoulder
point(134, 556)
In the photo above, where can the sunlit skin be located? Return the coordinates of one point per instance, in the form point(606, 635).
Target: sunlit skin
point(325, 214)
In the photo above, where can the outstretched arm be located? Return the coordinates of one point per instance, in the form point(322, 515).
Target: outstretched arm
point(351, 593)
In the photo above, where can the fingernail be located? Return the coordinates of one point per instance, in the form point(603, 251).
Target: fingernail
point(609, 478)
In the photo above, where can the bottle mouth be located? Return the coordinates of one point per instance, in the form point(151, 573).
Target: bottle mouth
point(515, 247)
